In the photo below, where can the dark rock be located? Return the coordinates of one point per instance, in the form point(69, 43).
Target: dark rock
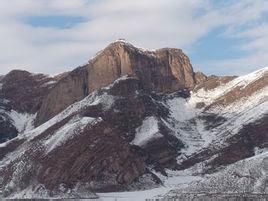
point(7, 130)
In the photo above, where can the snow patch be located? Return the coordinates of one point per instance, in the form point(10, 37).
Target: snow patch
point(180, 109)
point(258, 150)
point(49, 83)
point(105, 100)
point(141, 49)
point(147, 131)
point(22, 121)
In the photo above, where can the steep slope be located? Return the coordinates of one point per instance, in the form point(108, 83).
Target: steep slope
point(163, 70)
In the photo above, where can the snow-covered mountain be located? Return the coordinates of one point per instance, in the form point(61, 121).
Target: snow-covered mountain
point(133, 119)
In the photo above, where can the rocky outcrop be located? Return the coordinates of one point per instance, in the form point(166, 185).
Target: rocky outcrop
point(22, 92)
point(163, 70)
point(200, 78)
point(25, 91)
point(211, 82)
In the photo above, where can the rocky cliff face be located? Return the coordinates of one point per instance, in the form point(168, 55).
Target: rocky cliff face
point(163, 70)
point(70, 89)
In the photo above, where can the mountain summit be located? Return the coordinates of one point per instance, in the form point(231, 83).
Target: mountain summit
point(163, 70)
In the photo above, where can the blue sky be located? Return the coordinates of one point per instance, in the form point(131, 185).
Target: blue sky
point(54, 21)
point(214, 46)
point(52, 36)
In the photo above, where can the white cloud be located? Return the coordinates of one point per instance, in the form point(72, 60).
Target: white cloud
point(147, 23)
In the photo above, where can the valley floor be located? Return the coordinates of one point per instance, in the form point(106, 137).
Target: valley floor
point(174, 180)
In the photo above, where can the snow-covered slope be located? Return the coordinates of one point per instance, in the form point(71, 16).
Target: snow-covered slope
point(245, 177)
point(209, 96)
point(228, 132)
point(212, 124)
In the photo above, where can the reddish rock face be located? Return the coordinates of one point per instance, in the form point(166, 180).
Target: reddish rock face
point(164, 70)
point(68, 90)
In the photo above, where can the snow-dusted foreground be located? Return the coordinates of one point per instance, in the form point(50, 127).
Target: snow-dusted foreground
point(245, 177)
point(248, 178)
